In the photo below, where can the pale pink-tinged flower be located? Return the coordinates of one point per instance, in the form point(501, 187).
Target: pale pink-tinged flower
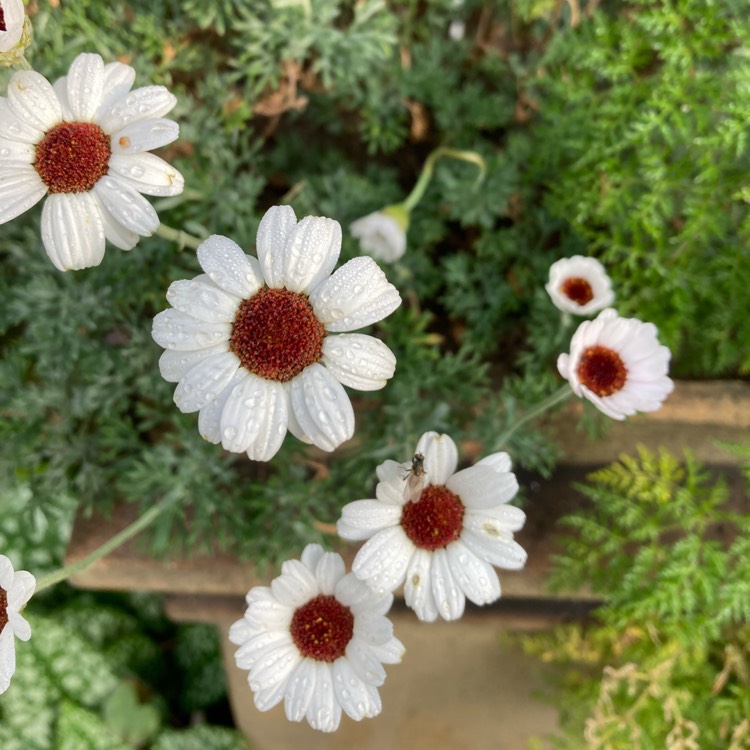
point(12, 17)
point(317, 639)
point(84, 144)
point(579, 285)
point(439, 534)
point(617, 364)
point(259, 346)
point(16, 588)
point(382, 234)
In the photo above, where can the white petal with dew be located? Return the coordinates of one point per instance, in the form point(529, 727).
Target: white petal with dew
point(296, 585)
point(127, 205)
point(418, 586)
point(15, 128)
point(324, 711)
point(173, 329)
point(362, 519)
point(118, 80)
point(7, 658)
point(20, 627)
point(373, 629)
point(493, 544)
point(142, 104)
point(242, 414)
point(273, 419)
point(440, 456)
point(351, 691)
point(322, 408)
point(382, 561)
point(329, 570)
point(203, 382)
point(311, 555)
point(449, 598)
point(144, 135)
point(12, 151)
point(475, 577)
point(33, 100)
point(482, 487)
point(73, 231)
point(21, 591)
point(275, 667)
point(228, 267)
point(147, 174)
point(275, 228)
point(299, 692)
point(114, 231)
point(499, 462)
point(20, 189)
point(507, 516)
point(355, 295)
point(202, 299)
point(85, 81)
point(310, 254)
point(364, 662)
point(359, 361)
point(174, 364)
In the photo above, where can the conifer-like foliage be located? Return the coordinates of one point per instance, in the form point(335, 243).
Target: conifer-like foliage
point(665, 663)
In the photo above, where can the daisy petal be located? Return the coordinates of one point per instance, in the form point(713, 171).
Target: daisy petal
point(203, 382)
point(363, 518)
point(173, 329)
point(144, 135)
point(270, 697)
point(373, 629)
point(256, 645)
point(201, 300)
point(115, 232)
point(365, 664)
point(72, 231)
point(20, 592)
point(482, 487)
point(310, 253)
point(355, 295)
point(418, 586)
point(449, 597)
point(322, 408)
point(359, 361)
point(356, 594)
point(209, 417)
point(15, 128)
point(324, 711)
point(273, 421)
point(351, 691)
point(20, 189)
point(16, 151)
point(382, 561)
point(6, 573)
point(311, 556)
point(391, 652)
point(274, 230)
point(440, 456)
point(476, 578)
point(277, 667)
point(85, 80)
point(329, 571)
point(228, 267)
point(302, 684)
point(508, 517)
point(494, 546)
point(142, 104)
point(174, 364)
point(296, 585)
point(7, 658)
point(127, 206)
point(147, 174)
point(500, 462)
point(20, 627)
point(118, 80)
point(33, 100)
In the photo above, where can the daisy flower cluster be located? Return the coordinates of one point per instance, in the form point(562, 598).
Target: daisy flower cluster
point(261, 345)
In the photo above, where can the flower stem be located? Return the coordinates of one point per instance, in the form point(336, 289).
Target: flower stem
point(111, 544)
point(557, 397)
point(183, 239)
point(23, 64)
point(429, 167)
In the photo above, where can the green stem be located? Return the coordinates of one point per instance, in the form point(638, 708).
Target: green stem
point(429, 167)
point(23, 64)
point(557, 397)
point(127, 533)
point(183, 239)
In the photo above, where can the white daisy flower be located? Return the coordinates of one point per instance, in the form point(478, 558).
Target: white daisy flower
point(262, 346)
point(16, 588)
point(579, 285)
point(12, 17)
point(617, 364)
point(439, 535)
point(382, 235)
point(317, 639)
point(84, 144)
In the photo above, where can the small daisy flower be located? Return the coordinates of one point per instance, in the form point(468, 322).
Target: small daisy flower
point(317, 639)
point(382, 235)
point(579, 285)
point(12, 17)
point(84, 144)
point(16, 588)
point(262, 346)
point(617, 364)
point(441, 534)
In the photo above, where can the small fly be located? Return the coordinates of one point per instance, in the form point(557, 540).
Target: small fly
point(415, 478)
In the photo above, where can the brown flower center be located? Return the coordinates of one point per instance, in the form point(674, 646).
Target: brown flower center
point(2, 20)
point(72, 157)
point(435, 519)
point(3, 608)
point(602, 370)
point(577, 289)
point(276, 334)
point(322, 628)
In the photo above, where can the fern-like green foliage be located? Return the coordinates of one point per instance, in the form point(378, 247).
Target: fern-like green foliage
point(666, 661)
